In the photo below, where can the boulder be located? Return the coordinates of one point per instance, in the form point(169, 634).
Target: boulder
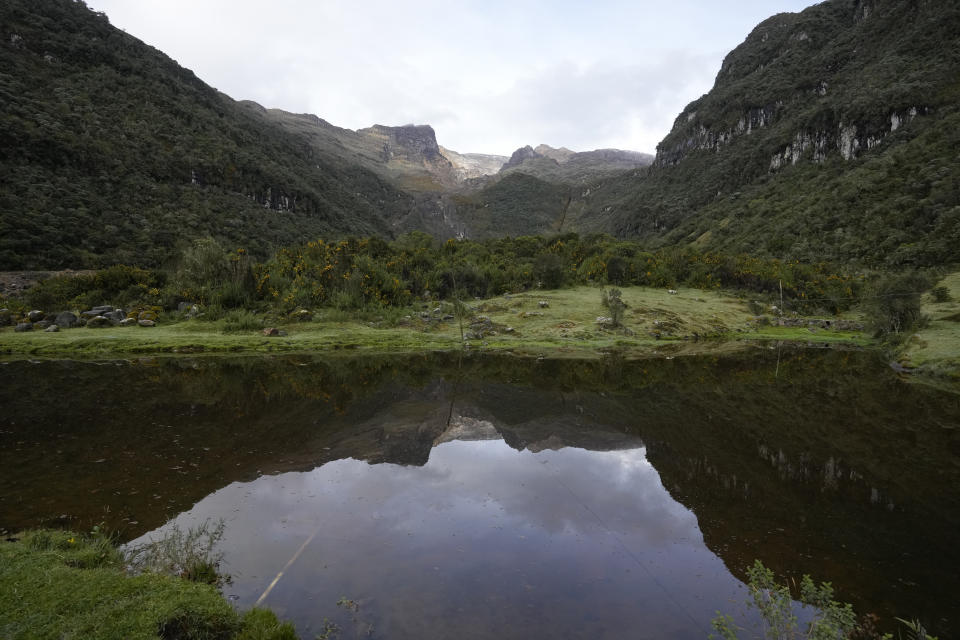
point(188, 309)
point(42, 324)
point(52, 329)
point(128, 322)
point(35, 316)
point(147, 315)
point(271, 331)
point(102, 309)
point(146, 323)
point(302, 315)
point(116, 316)
point(66, 319)
point(24, 326)
point(543, 304)
point(98, 322)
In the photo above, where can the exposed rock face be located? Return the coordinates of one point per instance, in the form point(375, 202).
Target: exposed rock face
point(520, 156)
point(413, 143)
point(412, 148)
point(560, 155)
point(781, 56)
point(473, 165)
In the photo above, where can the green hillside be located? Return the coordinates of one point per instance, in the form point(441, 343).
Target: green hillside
point(830, 133)
point(111, 152)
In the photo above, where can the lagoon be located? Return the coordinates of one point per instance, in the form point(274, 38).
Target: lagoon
point(474, 495)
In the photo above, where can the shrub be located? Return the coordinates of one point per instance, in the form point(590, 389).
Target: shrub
point(941, 294)
point(186, 554)
point(775, 604)
point(892, 305)
point(614, 304)
point(240, 320)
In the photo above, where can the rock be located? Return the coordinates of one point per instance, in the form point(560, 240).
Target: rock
point(604, 320)
point(66, 319)
point(98, 322)
point(302, 315)
point(271, 331)
point(52, 329)
point(128, 322)
point(509, 329)
point(24, 326)
point(35, 316)
point(116, 316)
point(672, 292)
point(146, 323)
point(147, 315)
point(42, 324)
point(543, 304)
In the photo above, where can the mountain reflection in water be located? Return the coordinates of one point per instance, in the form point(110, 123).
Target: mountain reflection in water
point(482, 541)
point(500, 496)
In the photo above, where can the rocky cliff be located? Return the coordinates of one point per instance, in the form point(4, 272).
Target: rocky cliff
point(467, 166)
point(828, 133)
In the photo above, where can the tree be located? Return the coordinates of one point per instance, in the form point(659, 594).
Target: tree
point(614, 304)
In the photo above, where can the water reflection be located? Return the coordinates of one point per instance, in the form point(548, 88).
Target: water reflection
point(815, 462)
point(482, 541)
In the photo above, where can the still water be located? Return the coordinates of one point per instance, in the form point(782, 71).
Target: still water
point(448, 496)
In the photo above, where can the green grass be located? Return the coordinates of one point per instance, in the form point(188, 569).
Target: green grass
point(696, 318)
point(60, 584)
point(936, 348)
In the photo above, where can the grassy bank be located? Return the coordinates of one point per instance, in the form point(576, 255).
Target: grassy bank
point(935, 349)
point(562, 320)
point(59, 584)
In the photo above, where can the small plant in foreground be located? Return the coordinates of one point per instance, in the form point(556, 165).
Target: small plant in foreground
point(775, 604)
point(187, 554)
point(832, 620)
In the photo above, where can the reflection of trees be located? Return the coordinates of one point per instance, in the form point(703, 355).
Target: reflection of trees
point(801, 466)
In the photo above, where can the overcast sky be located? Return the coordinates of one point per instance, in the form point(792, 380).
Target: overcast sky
point(488, 76)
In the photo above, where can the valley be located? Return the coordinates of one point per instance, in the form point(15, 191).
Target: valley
point(542, 392)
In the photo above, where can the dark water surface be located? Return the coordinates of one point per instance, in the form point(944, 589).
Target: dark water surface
point(484, 496)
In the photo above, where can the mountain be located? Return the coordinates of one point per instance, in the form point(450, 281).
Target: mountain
point(829, 133)
point(112, 152)
point(408, 156)
point(564, 165)
point(539, 191)
point(473, 165)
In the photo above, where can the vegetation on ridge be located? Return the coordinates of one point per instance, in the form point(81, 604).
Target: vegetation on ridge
point(111, 152)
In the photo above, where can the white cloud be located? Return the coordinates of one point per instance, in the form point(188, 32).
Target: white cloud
point(489, 76)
